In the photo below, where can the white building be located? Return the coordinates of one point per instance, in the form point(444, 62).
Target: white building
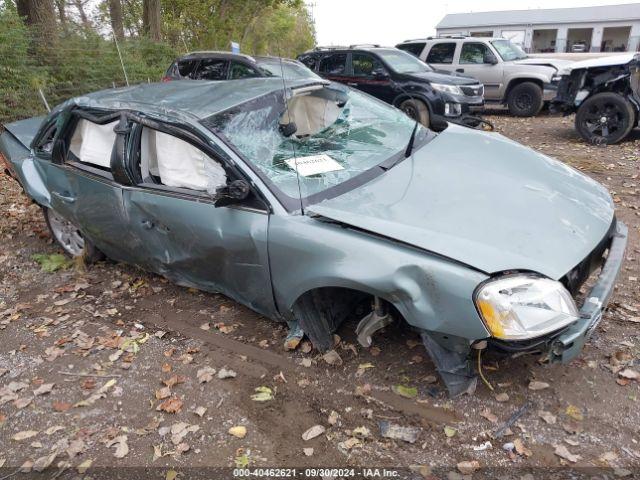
point(610, 28)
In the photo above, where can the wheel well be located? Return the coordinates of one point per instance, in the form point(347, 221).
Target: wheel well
point(518, 81)
point(402, 97)
point(320, 311)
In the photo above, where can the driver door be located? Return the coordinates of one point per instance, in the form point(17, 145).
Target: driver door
point(186, 237)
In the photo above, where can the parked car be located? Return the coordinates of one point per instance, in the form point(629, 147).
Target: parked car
point(309, 204)
point(605, 95)
point(509, 76)
point(579, 47)
point(211, 65)
point(400, 80)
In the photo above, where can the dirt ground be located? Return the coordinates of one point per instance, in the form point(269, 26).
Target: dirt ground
point(110, 366)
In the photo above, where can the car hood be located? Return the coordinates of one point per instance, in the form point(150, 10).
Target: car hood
point(545, 62)
point(608, 61)
point(483, 200)
point(447, 78)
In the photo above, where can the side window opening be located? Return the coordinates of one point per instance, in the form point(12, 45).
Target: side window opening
point(442, 53)
point(186, 67)
point(240, 70)
point(170, 161)
point(334, 64)
point(45, 143)
point(212, 69)
point(412, 48)
point(473, 53)
point(92, 143)
point(365, 65)
point(310, 61)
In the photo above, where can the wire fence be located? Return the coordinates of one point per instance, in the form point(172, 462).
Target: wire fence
point(73, 66)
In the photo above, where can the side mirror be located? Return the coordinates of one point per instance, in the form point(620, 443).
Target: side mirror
point(490, 58)
point(231, 193)
point(380, 74)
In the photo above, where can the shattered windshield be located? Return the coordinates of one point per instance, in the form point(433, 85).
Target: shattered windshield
point(403, 62)
point(508, 51)
point(329, 134)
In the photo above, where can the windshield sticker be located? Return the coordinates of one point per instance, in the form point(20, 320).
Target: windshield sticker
point(314, 164)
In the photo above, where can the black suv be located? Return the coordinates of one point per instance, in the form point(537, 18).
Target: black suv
point(232, 66)
point(400, 79)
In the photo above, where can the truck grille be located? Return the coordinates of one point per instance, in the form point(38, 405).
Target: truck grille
point(473, 90)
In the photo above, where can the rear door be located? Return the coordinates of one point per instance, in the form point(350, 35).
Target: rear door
point(472, 62)
point(440, 55)
point(333, 66)
point(370, 76)
point(80, 181)
point(185, 236)
point(240, 70)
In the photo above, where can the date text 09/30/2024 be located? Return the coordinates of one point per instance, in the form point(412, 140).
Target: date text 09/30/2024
point(316, 473)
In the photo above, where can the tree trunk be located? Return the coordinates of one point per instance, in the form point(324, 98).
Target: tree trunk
point(152, 19)
point(61, 5)
point(83, 16)
point(39, 14)
point(115, 12)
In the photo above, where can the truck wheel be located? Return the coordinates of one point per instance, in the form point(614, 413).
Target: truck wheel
point(67, 235)
point(417, 110)
point(525, 100)
point(605, 118)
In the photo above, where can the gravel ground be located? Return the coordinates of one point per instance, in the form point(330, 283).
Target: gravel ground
point(110, 366)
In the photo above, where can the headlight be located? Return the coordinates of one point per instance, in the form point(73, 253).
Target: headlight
point(524, 306)
point(452, 89)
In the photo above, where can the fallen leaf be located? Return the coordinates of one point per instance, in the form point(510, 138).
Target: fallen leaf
point(22, 402)
point(574, 412)
point(263, 394)
point(350, 443)
point(404, 391)
point(333, 417)
point(449, 431)
point(164, 392)
point(308, 451)
point(562, 452)
point(629, 374)
point(486, 413)
point(100, 393)
point(361, 432)
point(239, 431)
point(332, 358)
point(61, 406)
point(43, 389)
point(84, 466)
point(174, 380)
point(502, 397)
point(468, 467)
point(171, 405)
point(53, 429)
point(313, 432)
point(226, 373)
point(547, 417)
point(43, 463)
point(122, 449)
point(200, 411)
point(205, 374)
point(24, 435)
point(536, 385)
point(171, 475)
point(520, 448)
point(398, 432)
point(76, 447)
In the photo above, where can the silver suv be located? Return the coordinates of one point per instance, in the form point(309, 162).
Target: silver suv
point(509, 76)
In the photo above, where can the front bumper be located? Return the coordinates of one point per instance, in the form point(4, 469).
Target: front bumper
point(569, 343)
point(549, 91)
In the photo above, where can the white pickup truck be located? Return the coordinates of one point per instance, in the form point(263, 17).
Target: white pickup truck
point(509, 76)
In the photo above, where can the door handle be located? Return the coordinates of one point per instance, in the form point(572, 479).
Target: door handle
point(65, 197)
point(461, 70)
point(147, 224)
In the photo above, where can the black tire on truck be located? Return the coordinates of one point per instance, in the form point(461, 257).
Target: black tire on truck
point(605, 118)
point(525, 99)
point(417, 110)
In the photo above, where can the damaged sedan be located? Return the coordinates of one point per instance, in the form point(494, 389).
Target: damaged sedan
point(310, 202)
point(604, 93)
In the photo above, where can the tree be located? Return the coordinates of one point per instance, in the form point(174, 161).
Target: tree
point(39, 14)
point(152, 19)
point(86, 23)
point(115, 14)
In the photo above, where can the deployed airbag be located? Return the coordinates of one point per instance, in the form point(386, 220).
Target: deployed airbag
point(92, 143)
point(180, 164)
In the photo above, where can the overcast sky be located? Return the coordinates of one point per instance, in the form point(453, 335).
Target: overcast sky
point(345, 22)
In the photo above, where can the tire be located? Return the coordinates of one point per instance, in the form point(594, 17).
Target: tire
point(70, 238)
point(605, 118)
point(417, 110)
point(525, 100)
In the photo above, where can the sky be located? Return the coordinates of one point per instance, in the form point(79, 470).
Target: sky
point(347, 22)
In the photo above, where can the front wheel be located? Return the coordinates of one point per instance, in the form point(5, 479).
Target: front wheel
point(416, 110)
point(525, 100)
point(69, 237)
point(605, 118)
